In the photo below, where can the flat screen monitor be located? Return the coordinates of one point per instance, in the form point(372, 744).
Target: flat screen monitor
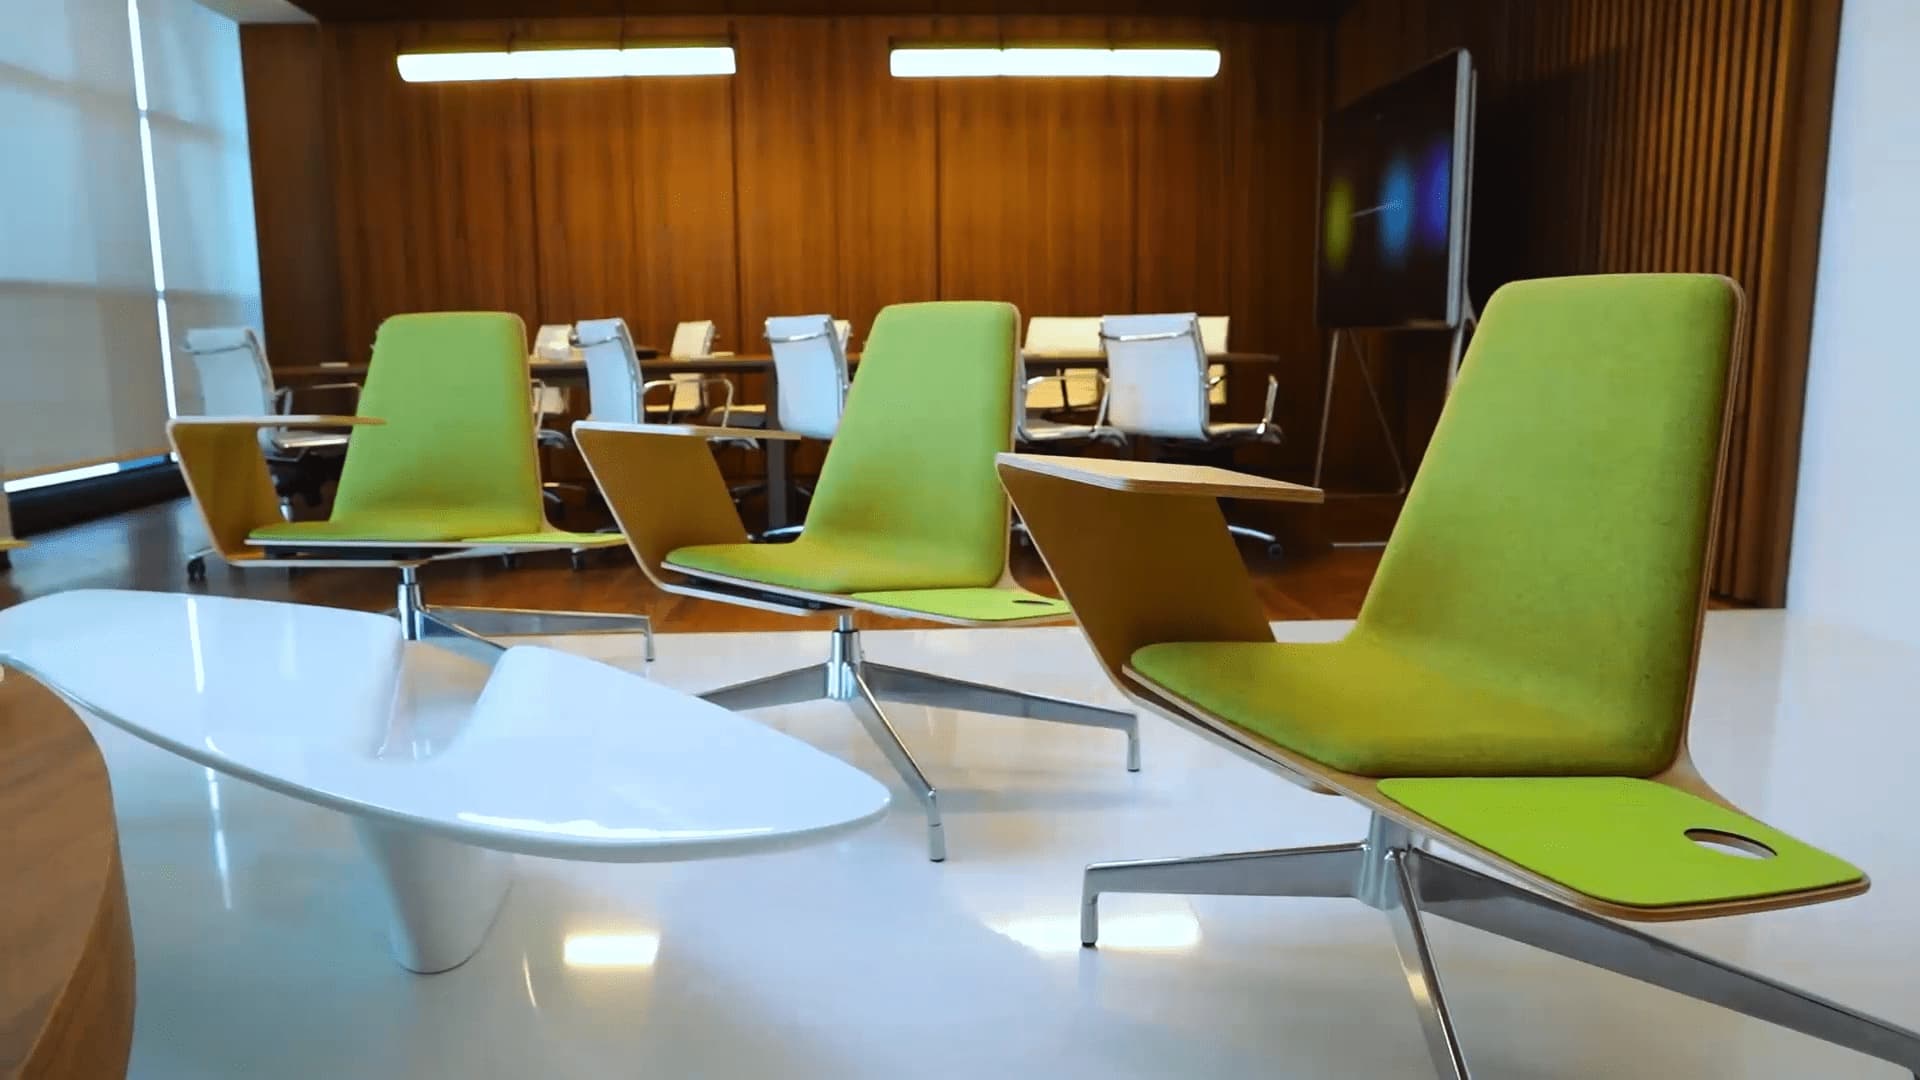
point(1395, 169)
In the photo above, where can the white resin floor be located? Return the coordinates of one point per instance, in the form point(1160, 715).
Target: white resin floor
point(261, 945)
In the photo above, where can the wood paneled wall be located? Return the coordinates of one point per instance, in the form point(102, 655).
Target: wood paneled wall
point(811, 180)
point(1640, 135)
point(1615, 135)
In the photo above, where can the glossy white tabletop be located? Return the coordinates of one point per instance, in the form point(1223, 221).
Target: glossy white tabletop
point(547, 754)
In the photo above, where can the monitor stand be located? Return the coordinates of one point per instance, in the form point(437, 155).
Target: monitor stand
point(1456, 352)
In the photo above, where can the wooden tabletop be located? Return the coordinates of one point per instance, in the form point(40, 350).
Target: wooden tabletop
point(652, 363)
point(1161, 478)
point(66, 947)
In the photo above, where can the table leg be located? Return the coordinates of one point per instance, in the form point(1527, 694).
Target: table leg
point(442, 895)
point(779, 483)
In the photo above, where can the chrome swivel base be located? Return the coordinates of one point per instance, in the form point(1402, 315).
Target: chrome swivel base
point(472, 630)
point(848, 676)
point(1391, 873)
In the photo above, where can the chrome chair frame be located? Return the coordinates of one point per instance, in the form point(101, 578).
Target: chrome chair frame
point(471, 630)
point(848, 676)
point(1392, 872)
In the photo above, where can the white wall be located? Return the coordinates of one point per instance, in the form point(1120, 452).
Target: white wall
point(1856, 535)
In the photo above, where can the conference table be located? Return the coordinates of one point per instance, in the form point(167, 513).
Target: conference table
point(778, 454)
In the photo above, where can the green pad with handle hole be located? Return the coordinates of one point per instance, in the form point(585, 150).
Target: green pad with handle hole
point(1619, 839)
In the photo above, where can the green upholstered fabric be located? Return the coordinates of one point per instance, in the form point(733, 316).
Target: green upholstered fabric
point(1534, 612)
point(907, 497)
point(554, 538)
point(455, 458)
point(974, 605)
point(1620, 840)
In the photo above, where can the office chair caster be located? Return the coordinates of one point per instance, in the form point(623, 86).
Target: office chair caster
point(197, 569)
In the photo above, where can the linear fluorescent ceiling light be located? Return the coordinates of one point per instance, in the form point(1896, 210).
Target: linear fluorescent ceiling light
point(949, 63)
point(426, 67)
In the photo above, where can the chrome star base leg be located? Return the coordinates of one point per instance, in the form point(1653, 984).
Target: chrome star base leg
point(848, 676)
point(1393, 874)
point(472, 630)
point(442, 896)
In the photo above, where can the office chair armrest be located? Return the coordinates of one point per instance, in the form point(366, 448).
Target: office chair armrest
point(664, 487)
point(226, 472)
point(726, 404)
point(1141, 550)
point(655, 384)
point(1273, 395)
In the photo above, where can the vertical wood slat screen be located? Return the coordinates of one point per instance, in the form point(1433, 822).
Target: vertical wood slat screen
point(1646, 135)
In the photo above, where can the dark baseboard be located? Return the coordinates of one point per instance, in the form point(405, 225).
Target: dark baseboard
point(48, 508)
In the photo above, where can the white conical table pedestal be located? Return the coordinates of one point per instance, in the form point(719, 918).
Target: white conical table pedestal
point(447, 765)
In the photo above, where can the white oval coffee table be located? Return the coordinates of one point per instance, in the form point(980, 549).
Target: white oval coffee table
point(447, 766)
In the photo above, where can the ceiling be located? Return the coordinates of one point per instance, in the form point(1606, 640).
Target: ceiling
point(499, 9)
point(258, 11)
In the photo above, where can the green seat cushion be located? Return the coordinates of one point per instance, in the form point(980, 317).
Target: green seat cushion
point(817, 565)
point(1365, 708)
point(556, 538)
point(974, 605)
point(424, 526)
point(1618, 839)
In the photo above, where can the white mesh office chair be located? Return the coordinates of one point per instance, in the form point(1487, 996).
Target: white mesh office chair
point(552, 344)
point(687, 397)
point(755, 415)
point(613, 370)
point(810, 381)
point(615, 387)
point(230, 366)
point(1073, 388)
point(810, 373)
point(1158, 387)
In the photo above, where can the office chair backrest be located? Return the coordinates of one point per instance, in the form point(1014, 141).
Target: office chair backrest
point(810, 373)
point(553, 343)
point(1054, 335)
point(1554, 546)
point(230, 365)
point(690, 339)
point(1156, 375)
point(452, 390)
point(693, 339)
point(613, 370)
point(1213, 333)
point(910, 476)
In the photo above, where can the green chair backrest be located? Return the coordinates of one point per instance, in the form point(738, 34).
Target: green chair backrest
point(453, 389)
point(911, 467)
point(1555, 541)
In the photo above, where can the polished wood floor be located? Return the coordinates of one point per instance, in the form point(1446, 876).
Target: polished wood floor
point(149, 548)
